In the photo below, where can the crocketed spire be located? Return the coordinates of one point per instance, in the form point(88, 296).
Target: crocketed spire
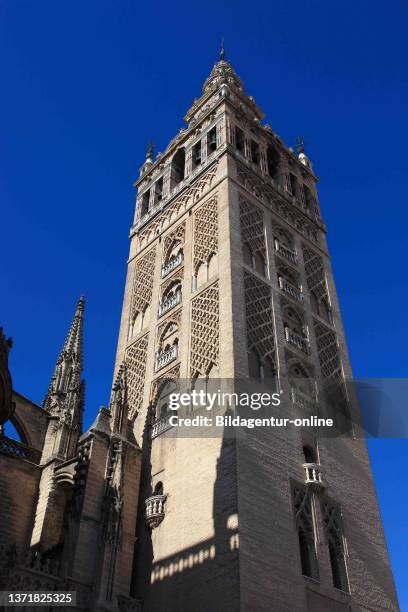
point(68, 369)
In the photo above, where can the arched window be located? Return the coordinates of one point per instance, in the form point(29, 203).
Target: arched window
point(176, 250)
point(145, 203)
point(178, 167)
point(273, 161)
point(11, 431)
point(201, 275)
point(293, 321)
point(139, 322)
point(212, 266)
point(284, 237)
point(163, 399)
point(211, 141)
point(302, 384)
point(158, 489)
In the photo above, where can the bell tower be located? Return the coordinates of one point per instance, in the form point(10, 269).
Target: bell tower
point(229, 278)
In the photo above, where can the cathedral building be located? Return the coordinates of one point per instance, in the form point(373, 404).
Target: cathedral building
point(229, 280)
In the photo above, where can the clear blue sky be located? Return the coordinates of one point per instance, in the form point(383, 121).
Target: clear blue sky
point(85, 85)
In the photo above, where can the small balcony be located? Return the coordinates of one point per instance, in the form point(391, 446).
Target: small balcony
point(291, 290)
point(303, 402)
point(160, 426)
point(313, 475)
point(171, 265)
point(284, 250)
point(169, 303)
point(297, 340)
point(155, 510)
point(166, 357)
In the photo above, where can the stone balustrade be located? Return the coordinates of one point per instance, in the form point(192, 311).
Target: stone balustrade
point(287, 252)
point(297, 340)
point(160, 426)
point(17, 449)
point(171, 264)
point(303, 402)
point(170, 303)
point(155, 510)
point(291, 290)
point(313, 475)
point(166, 357)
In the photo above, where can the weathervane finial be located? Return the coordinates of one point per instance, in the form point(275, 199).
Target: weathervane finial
point(222, 50)
point(300, 143)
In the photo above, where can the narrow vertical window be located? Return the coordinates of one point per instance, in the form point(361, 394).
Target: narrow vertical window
point(178, 167)
point(273, 161)
point(255, 152)
point(158, 190)
point(197, 154)
point(306, 531)
point(239, 139)
point(145, 202)
point(211, 140)
point(293, 184)
point(334, 534)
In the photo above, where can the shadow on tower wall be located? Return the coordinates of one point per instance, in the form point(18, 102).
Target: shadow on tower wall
point(201, 577)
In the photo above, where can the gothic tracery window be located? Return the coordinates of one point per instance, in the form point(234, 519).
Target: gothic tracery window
point(305, 526)
point(334, 535)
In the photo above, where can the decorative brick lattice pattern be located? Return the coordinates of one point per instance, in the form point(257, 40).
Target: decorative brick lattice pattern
point(143, 283)
point(136, 370)
point(252, 227)
point(176, 208)
point(259, 321)
point(315, 276)
point(205, 231)
point(205, 331)
point(328, 352)
point(276, 202)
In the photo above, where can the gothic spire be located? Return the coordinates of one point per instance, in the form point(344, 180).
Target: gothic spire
point(69, 366)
